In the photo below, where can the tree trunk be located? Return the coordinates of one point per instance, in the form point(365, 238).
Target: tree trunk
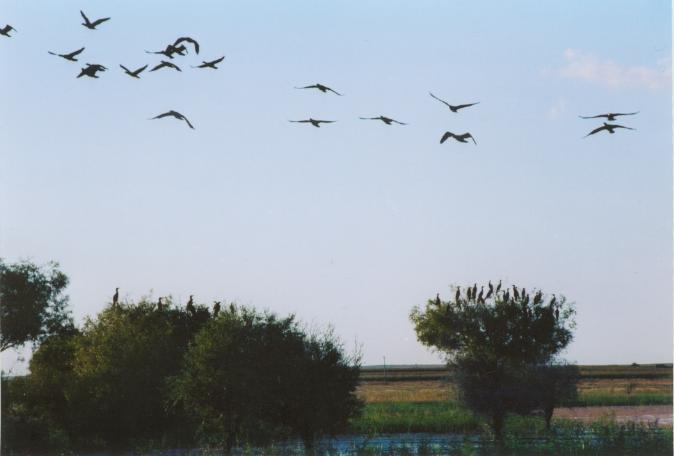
point(548, 410)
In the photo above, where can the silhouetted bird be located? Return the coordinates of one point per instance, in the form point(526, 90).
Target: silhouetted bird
point(70, 56)
point(506, 296)
point(556, 313)
point(538, 297)
point(6, 29)
point(491, 287)
point(498, 287)
point(490, 292)
point(164, 63)
point(457, 296)
point(469, 291)
point(314, 122)
point(480, 298)
point(437, 300)
point(524, 292)
point(133, 74)
point(607, 127)
point(610, 115)
point(216, 308)
point(474, 291)
point(115, 297)
point(452, 107)
point(91, 70)
point(160, 304)
point(189, 40)
point(232, 308)
point(320, 87)
point(170, 50)
point(553, 300)
point(210, 64)
point(516, 294)
point(92, 25)
point(175, 114)
point(461, 138)
point(190, 306)
point(386, 120)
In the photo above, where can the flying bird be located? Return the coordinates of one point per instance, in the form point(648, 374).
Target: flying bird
point(316, 123)
point(610, 115)
point(164, 63)
point(70, 56)
point(91, 70)
point(92, 25)
point(133, 74)
point(452, 107)
point(189, 40)
point(210, 64)
point(6, 29)
point(320, 87)
point(461, 138)
point(170, 50)
point(386, 120)
point(115, 297)
point(607, 127)
point(175, 114)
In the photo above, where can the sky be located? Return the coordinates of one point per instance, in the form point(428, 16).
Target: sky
point(352, 224)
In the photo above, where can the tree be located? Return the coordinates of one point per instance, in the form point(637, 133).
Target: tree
point(32, 303)
point(251, 376)
point(497, 345)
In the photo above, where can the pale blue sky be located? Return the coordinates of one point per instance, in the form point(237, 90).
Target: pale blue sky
point(356, 222)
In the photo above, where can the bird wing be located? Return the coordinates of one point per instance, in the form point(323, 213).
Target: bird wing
point(189, 40)
point(443, 101)
point(124, 68)
point(446, 136)
point(86, 19)
point(596, 130)
point(218, 60)
point(334, 91)
point(468, 135)
point(308, 87)
point(620, 126)
point(100, 21)
point(593, 117)
point(53, 53)
point(626, 114)
point(465, 105)
point(300, 121)
point(400, 123)
point(325, 121)
point(77, 52)
point(139, 70)
point(169, 113)
point(173, 65)
point(369, 118)
point(188, 122)
point(161, 65)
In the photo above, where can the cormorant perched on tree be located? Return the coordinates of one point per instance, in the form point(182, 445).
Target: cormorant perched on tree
point(92, 25)
point(216, 308)
point(437, 300)
point(474, 291)
point(556, 313)
point(506, 296)
point(457, 296)
point(469, 290)
point(190, 306)
point(115, 297)
point(553, 300)
point(498, 287)
point(516, 294)
point(538, 297)
point(160, 304)
point(479, 296)
point(524, 292)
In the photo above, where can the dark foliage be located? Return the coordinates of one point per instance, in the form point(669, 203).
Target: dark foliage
point(32, 303)
point(250, 377)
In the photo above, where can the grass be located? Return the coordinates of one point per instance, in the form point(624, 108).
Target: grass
point(601, 398)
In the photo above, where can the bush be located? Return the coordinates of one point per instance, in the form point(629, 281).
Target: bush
point(250, 377)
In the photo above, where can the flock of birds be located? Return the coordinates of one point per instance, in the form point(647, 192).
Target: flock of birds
point(189, 307)
point(178, 47)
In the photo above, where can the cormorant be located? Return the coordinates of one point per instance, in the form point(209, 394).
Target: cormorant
point(386, 120)
point(210, 64)
point(610, 115)
point(314, 122)
point(115, 297)
point(6, 29)
point(90, 70)
point(452, 107)
point(320, 87)
point(164, 63)
point(133, 74)
point(216, 308)
point(70, 56)
point(461, 138)
point(175, 114)
point(92, 25)
point(607, 127)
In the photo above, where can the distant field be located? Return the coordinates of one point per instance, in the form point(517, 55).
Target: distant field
point(599, 385)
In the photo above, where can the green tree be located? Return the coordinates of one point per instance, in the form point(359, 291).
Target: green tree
point(32, 303)
point(497, 342)
point(250, 377)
